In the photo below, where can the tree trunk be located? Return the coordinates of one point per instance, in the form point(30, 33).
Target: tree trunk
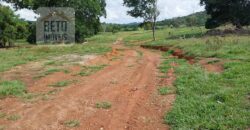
point(154, 28)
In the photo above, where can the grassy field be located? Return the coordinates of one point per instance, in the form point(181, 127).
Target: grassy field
point(208, 100)
point(161, 35)
point(12, 57)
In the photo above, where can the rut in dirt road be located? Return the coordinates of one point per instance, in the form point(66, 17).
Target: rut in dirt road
point(128, 83)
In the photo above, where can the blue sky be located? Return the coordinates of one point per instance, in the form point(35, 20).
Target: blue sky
point(117, 13)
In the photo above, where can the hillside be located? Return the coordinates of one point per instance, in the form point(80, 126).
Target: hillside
point(196, 19)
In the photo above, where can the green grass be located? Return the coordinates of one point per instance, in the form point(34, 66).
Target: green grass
point(14, 117)
point(51, 71)
point(168, 33)
point(50, 63)
point(88, 70)
point(11, 88)
point(2, 115)
point(72, 123)
point(62, 83)
point(229, 47)
point(33, 97)
point(103, 105)
point(163, 90)
point(210, 101)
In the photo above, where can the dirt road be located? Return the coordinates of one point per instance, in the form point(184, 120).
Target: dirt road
point(129, 83)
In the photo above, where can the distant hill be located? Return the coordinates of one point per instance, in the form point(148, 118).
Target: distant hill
point(196, 19)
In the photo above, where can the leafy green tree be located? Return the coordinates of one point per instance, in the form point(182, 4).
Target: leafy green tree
point(22, 28)
point(146, 9)
point(88, 13)
point(227, 11)
point(7, 26)
point(32, 36)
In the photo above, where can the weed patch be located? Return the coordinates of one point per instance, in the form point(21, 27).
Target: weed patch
point(49, 63)
point(2, 115)
point(31, 97)
point(14, 117)
point(88, 70)
point(62, 83)
point(163, 90)
point(12, 88)
point(72, 123)
point(103, 105)
point(51, 71)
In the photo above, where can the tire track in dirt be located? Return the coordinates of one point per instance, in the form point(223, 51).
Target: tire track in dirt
point(129, 83)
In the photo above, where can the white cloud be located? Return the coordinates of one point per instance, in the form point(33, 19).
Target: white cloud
point(27, 14)
point(117, 13)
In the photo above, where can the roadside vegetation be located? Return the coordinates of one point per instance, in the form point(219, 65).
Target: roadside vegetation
point(207, 100)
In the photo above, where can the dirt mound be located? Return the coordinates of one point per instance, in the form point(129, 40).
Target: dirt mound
point(175, 52)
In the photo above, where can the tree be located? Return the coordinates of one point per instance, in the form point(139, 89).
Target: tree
point(146, 9)
point(22, 29)
point(88, 13)
point(227, 11)
point(7, 26)
point(32, 36)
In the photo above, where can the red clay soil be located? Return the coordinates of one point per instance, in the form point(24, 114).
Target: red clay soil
point(176, 52)
point(216, 67)
point(128, 83)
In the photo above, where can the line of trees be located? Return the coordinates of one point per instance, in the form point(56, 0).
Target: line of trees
point(114, 28)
